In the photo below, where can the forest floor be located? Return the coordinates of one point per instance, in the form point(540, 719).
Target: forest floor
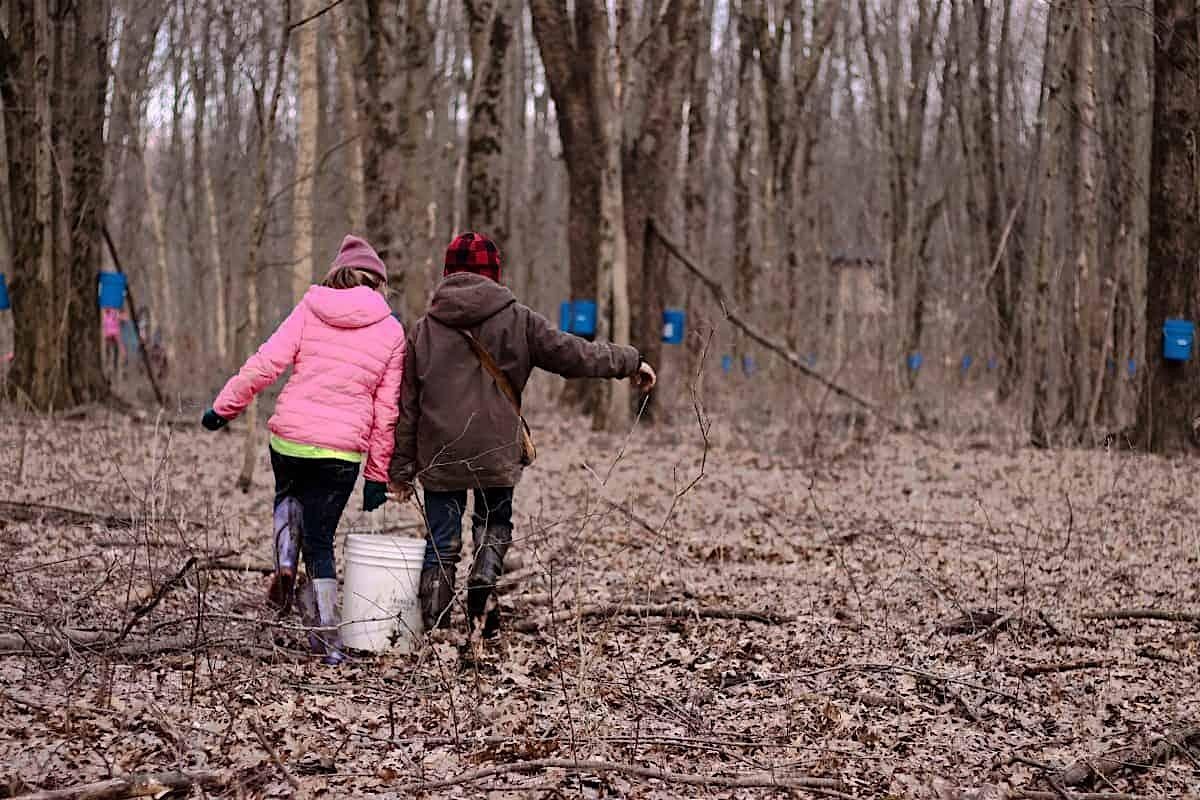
point(922, 624)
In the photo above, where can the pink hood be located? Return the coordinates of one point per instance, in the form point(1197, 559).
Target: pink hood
point(347, 308)
point(348, 354)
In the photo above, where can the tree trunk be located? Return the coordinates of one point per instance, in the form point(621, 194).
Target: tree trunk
point(613, 267)
point(55, 79)
point(654, 96)
point(1168, 403)
point(1049, 137)
point(309, 103)
point(394, 79)
point(356, 208)
point(566, 46)
point(745, 268)
point(1089, 314)
point(490, 29)
point(268, 112)
point(695, 197)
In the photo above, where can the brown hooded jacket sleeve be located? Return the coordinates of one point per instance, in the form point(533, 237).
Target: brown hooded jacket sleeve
point(572, 357)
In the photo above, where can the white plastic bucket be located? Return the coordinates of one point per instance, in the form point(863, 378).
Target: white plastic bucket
point(379, 604)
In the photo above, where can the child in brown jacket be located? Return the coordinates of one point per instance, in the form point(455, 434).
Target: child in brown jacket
point(458, 430)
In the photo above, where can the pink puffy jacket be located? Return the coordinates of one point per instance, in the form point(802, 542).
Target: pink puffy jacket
point(343, 394)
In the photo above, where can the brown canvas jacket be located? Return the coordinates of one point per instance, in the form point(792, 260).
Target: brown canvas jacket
point(456, 429)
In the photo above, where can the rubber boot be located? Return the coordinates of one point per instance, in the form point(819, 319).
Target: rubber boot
point(318, 606)
point(435, 594)
point(289, 530)
point(482, 606)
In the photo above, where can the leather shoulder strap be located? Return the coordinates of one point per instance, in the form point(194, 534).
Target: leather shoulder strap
point(489, 363)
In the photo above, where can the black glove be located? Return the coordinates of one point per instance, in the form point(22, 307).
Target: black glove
point(374, 495)
point(213, 421)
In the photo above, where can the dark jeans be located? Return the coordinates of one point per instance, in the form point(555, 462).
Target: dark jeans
point(322, 485)
point(444, 512)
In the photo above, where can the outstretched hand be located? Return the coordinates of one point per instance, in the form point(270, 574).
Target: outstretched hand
point(645, 377)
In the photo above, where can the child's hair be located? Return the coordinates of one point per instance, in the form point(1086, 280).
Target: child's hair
point(349, 277)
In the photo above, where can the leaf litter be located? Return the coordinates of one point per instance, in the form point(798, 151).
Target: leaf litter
point(932, 597)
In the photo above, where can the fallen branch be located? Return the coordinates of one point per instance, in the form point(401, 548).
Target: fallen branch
point(779, 348)
point(1032, 794)
point(236, 566)
point(763, 780)
point(15, 511)
point(20, 511)
point(1030, 670)
point(154, 784)
point(1131, 758)
point(670, 611)
point(62, 642)
point(1144, 613)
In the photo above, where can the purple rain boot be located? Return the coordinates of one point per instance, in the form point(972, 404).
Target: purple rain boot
point(289, 530)
point(318, 607)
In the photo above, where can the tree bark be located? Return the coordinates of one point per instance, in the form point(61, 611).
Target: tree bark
point(1049, 137)
point(395, 79)
point(566, 44)
point(1168, 402)
point(54, 80)
point(490, 30)
point(268, 114)
point(356, 209)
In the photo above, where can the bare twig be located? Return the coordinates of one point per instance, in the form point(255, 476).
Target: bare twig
point(302, 22)
point(793, 360)
point(262, 739)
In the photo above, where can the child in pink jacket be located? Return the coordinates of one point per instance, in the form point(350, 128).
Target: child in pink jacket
point(338, 408)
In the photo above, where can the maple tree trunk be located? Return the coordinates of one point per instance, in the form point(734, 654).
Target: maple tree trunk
point(55, 80)
point(306, 154)
point(1168, 402)
point(566, 45)
point(490, 31)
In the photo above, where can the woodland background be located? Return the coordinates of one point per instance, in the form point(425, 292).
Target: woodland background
point(800, 568)
point(867, 180)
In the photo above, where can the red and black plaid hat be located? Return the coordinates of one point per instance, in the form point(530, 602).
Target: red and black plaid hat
point(473, 252)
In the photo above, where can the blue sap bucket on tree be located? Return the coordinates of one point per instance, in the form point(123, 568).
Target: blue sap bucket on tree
point(673, 322)
point(914, 361)
point(747, 366)
point(112, 289)
point(966, 363)
point(727, 364)
point(1178, 335)
point(564, 316)
point(993, 362)
point(583, 317)
point(5, 302)
point(1132, 367)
